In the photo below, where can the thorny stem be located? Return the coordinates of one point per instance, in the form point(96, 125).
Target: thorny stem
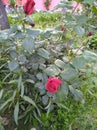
point(74, 55)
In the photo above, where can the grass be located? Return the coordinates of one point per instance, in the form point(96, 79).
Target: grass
point(45, 19)
point(42, 19)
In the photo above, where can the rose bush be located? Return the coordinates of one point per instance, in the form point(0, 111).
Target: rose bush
point(28, 57)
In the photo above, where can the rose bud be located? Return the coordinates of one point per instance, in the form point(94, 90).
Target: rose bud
point(63, 29)
point(32, 24)
point(29, 7)
point(90, 33)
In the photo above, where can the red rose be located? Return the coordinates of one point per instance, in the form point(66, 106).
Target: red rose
point(29, 7)
point(53, 85)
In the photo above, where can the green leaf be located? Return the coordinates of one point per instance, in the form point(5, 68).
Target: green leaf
point(79, 62)
point(79, 1)
point(69, 74)
point(19, 35)
point(33, 32)
point(39, 85)
point(19, 82)
point(36, 117)
point(33, 129)
point(29, 100)
point(30, 81)
point(52, 70)
point(16, 112)
point(78, 95)
point(8, 75)
point(13, 53)
point(62, 93)
point(1, 127)
point(5, 103)
point(90, 56)
point(3, 35)
point(13, 81)
point(43, 53)
point(22, 89)
point(47, 34)
point(94, 10)
point(1, 93)
point(28, 44)
point(29, 19)
point(81, 19)
point(79, 31)
point(89, 1)
point(13, 29)
point(39, 76)
point(22, 59)
point(60, 63)
point(45, 99)
point(13, 65)
point(62, 106)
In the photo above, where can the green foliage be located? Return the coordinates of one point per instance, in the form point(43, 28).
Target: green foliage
point(93, 42)
point(42, 19)
point(28, 57)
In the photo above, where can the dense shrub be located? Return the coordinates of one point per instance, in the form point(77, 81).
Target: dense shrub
point(29, 57)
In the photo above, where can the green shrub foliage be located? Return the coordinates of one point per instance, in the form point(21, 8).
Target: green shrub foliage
point(28, 57)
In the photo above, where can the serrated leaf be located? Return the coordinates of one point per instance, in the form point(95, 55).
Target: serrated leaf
point(13, 65)
point(16, 112)
point(81, 19)
point(28, 44)
point(44, 53)
point(33, 32)
point(90, 56)
point(60, 63)
point(52, 70)
point(19, 35)
point(22, 58)
point(79, 31)
point(13, 54)
point(13, 29)
point(79, 62)
point(69, 74)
